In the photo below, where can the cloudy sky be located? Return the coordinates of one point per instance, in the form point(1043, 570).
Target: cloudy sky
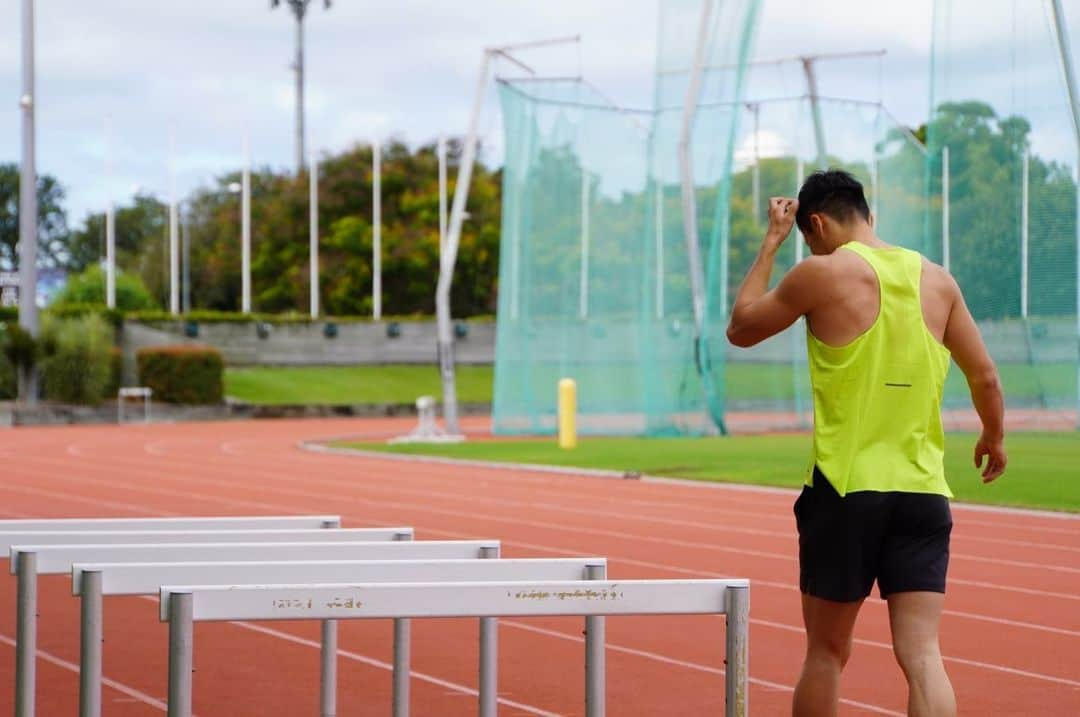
point(207, 71)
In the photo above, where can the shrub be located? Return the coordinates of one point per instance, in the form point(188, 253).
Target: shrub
point(182, 374)
point(75, 363)
point(89, 288)
point(116, 371)
point(9, 384)
point(19, 347)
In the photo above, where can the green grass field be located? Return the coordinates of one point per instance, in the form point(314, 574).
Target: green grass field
point(1043, 469)
point(340, 385)
point(1024, 384)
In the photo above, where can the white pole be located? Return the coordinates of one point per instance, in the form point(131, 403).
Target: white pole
point(1074, 105)
point(110, 226)
point(945, 251)
point(449, 258)
point(1024, 233)
point(442, 194)
point(376, 228)
point(689, 200)
point(800, 175)
point(245, 230)
point(28, 209)
point(756, 107)
point(583, 303)
point(874, 192)
point(313, 235)
point(174, 230)
point(659, 250)
point(110, 256)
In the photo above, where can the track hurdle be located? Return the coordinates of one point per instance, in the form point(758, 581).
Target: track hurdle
point(93, 581)
point(23, 563)
point(246, 522)
point(182, 606)
point(25, 666)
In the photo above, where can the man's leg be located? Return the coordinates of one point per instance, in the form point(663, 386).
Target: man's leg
point(829, 630)
point(914, 618)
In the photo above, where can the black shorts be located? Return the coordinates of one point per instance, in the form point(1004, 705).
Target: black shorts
point(899, 539)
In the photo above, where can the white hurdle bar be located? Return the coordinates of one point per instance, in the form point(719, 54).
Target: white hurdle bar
point(182, 606)
point(25, 666)
point(23, 563)
point(247, 522)
point(93, 581)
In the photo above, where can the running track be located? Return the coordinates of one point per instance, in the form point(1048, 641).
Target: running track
point(1011, 634)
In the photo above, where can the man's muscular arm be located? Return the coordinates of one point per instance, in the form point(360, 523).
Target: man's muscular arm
point(963, 340)
point(759, 313)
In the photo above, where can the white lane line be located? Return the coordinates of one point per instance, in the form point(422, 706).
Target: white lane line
point(946, 658)
point(386, 504)
point(320, 446)
point(119, 687)
point(683, 663)
point(668, 567)
point(397, 489)
point(424, 677)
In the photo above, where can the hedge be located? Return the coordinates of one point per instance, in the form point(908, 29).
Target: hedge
point(74, 358)
point(182, 374)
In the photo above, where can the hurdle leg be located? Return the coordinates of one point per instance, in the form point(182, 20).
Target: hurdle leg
point(595, 663)
point(90, 637)
point(180, 655)
point(489, 654)
point(402, 657)
point(328, 657)
point(736, 674)
point(25, 634)
point(402, 636)
point(328, 679)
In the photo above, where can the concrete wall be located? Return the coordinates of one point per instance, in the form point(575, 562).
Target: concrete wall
point(303, 344)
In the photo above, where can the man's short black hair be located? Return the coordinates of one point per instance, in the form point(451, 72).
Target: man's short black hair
point(833, 192)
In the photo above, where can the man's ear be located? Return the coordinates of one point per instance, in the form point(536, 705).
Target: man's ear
point(817, 225)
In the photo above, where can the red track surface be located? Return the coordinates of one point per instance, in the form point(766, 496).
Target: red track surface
point(1011, 635)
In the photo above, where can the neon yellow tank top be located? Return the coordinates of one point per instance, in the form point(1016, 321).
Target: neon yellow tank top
point(877, 400)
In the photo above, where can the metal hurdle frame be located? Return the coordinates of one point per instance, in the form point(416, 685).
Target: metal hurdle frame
point(23, 564)
point(25, 664)
point(95, 581)
point(182, 606)
point(59, 559)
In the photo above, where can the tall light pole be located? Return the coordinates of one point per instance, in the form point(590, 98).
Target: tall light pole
point(28, 229)
point(299, 8)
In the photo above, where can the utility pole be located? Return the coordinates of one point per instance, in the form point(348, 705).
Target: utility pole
point(28, 209)
point(299, 8)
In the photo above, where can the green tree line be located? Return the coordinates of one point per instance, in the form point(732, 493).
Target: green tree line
point(280, 264)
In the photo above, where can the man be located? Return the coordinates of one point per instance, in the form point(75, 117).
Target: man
point(881, 323)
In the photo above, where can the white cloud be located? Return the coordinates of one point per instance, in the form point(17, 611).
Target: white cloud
point(405, 68)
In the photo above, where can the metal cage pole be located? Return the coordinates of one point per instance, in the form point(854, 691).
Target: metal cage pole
point(583, 299)
point(1064, 50)
point(1025, 229)
point(686, 170)
point(945, 249)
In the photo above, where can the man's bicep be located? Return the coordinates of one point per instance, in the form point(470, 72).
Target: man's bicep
point(772, 313)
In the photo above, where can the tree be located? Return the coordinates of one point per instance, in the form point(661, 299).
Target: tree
point(89, 288)
point(53, 231)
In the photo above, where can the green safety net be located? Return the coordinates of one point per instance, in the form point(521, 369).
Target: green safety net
point(1004, 204)
point(594, 279)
